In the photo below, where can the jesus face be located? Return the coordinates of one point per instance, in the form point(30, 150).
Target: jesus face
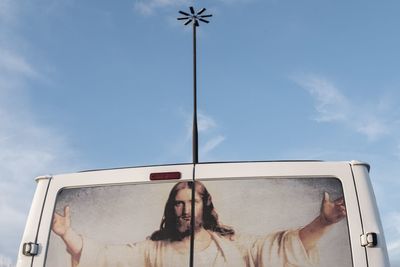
point(183, 210)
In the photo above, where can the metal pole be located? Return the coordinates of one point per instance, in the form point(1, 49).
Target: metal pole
point(195, 130)
point(194, 18)
point(195, 147)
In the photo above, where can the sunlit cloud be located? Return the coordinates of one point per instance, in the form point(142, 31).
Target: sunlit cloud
point(13, 64)
point(7, 10)
point(211, 144)
point(376, 118)
point(206, 123)
point(27, 147)
point(372, 127)
point(5, 261)
point(331, 105)
point(393, 236)
point(394, 247)
point(210, 136)
point(148, 7)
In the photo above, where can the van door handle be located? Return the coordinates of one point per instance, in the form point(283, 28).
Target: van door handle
point(30, 249)
point(369, 239)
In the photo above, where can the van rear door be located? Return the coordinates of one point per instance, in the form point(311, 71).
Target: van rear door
point(265, 202)
point(117, 206)
point(254, 212)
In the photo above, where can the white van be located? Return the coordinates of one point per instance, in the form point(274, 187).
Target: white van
point(284, 213)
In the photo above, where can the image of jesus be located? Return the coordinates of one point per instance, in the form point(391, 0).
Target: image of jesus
point(215, 244)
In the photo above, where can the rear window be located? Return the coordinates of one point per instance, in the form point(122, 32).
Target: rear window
point(260, 208)
point(239, 222)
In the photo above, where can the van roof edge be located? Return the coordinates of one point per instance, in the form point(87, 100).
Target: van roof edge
point(186, 163)
point(352, 162)
point(43, 177)
point(362, 163)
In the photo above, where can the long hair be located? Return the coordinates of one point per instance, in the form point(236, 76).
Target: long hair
point(168, 227)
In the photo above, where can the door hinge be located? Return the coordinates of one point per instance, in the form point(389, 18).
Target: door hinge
point(369, 240)
point(30, 249)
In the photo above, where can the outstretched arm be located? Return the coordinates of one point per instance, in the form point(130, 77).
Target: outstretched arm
point(331, 213)
point(62, 227)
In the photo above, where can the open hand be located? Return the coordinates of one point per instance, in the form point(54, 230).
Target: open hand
point(332, 211)
point(61, 224)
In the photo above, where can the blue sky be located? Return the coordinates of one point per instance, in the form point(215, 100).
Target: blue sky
point(101, 84)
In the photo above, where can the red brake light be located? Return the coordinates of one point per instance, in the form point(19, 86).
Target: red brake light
point(165, 176)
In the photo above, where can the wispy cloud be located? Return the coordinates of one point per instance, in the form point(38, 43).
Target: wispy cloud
point(206, 123)
point(331, 105)
point(394, 247)
point(12, 64)
point(210, 136)
point(27, 147)
point(211, 144)
point(148, 7)
point(393, 231)
point(373, 127)
point(5, 261)
point(376, 118)
point(7, 10)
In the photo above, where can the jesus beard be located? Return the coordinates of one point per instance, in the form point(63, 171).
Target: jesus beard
point(184, 225)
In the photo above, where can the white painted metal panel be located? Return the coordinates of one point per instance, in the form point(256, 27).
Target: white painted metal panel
point(33, 221)
point(377, 256)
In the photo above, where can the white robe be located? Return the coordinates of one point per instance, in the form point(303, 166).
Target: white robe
point(281, 249)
